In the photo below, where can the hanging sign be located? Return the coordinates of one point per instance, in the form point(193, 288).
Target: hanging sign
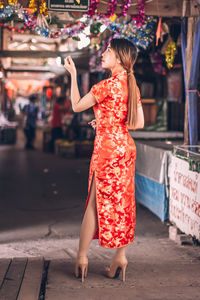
point(68, 5)
point(184, 203)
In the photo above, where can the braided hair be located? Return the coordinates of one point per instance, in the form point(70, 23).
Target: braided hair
point(127, 54)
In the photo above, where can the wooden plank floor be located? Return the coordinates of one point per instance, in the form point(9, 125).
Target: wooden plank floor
point(21, 278)
point(4, 265)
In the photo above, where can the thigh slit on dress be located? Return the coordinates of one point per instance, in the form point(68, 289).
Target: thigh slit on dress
point(91, 183)
point(115, 200)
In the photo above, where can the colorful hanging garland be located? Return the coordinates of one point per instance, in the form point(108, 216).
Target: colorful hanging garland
point(125, 7)
point(93, 7)
point(140, 17)
point(39, 5)
point(33, 5)
point(140, 37)
point(43, 8)
point(31, 22)
point(7, 11)
point(139, 30)
point(170, 54)
point(112, 5)
point(12, 2)
point(12, 28)
point(1, 4)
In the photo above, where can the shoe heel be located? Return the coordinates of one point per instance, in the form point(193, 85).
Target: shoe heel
point(81, 267)
point(83, 272)
point(124, 272)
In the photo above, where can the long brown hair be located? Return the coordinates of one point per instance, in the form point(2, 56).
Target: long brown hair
point(127, 53)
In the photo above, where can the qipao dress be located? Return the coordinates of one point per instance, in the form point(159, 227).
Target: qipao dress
point(113, 163)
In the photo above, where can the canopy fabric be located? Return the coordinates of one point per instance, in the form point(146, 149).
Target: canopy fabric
point(191, 87)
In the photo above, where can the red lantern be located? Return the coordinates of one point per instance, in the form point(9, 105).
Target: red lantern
point(49, 93)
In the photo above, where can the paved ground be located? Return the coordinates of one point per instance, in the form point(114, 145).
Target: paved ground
point(42, 201)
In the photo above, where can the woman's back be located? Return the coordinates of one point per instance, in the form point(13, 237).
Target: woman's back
point(112, 96)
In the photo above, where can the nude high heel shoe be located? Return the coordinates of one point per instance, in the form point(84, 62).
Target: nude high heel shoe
point(116, 266)
point(81, 267)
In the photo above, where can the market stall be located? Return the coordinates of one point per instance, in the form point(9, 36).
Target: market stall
point(8, 131)
point(151, 178)
point(167, 36)
point(184, 208)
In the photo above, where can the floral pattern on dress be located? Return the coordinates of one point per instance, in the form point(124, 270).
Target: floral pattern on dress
point(113, 163)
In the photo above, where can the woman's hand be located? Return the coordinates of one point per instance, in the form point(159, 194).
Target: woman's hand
point(93, 124)
point(69, 65)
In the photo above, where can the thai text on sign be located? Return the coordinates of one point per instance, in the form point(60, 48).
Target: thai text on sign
point(68, 5)
point(184, 206)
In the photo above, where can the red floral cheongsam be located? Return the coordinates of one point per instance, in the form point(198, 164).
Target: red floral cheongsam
point(113, 161)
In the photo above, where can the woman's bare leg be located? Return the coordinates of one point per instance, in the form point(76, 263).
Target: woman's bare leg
point(89, 223)
point(119, 260)
point(120, 252)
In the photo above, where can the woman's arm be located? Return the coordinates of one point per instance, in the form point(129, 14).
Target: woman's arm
point(140, 119)
point(78, 104)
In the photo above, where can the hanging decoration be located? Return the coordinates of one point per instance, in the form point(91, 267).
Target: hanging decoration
point(95, 43)
point(40, 25)
point(93, 7)
point(103, 19)
point(140, 37)
point(95, 29)
point(112, 5)
point(12, 2)
point(43, 8)
point(42, 22)
point(41, 18)
point(33, 5)
point(113, 17)
point(140, 17)
point(7, 11)
point(1, 4)
point(125, 7)
point(12, 28)
point(139, 30)
point(157, 63)
point(160, 31)
point(170, 54)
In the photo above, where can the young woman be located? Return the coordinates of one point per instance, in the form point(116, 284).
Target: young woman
point(110, 206)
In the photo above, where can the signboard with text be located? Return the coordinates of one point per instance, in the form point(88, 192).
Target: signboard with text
point(68, 5)
point(184, 204)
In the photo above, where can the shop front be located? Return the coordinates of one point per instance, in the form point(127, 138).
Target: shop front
point(184, 202)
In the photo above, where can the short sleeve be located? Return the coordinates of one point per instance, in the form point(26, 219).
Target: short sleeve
point(139, 102)
point(101, 90)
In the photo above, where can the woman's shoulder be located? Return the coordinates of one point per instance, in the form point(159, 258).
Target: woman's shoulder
point(104, 81)
point(103, 85)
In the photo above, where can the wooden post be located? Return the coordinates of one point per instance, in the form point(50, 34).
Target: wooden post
point(1, 68)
